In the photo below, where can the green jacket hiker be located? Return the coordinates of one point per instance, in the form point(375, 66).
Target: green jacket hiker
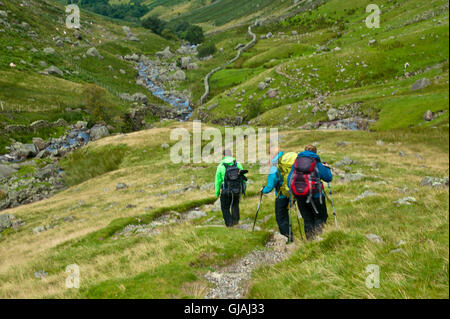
point(220, 172)
point(230, 185)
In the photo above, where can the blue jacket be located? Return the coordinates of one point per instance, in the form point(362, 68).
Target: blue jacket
point(324, 172)
point(274, 180)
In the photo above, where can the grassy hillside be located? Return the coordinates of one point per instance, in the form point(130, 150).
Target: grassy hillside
point(27, 95)
point(170, 261)
point(323, 58)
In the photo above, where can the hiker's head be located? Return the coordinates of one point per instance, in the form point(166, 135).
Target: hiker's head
point(226, 153)
point(311, 148)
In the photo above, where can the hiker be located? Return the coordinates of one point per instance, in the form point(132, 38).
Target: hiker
point(305, 182)
point(277, 179)
point(230, 184)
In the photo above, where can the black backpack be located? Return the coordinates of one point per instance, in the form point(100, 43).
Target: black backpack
point(233, 180)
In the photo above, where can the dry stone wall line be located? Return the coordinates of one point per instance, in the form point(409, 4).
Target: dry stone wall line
point(208, 76)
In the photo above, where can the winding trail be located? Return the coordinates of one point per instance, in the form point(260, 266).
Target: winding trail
point(208, 76)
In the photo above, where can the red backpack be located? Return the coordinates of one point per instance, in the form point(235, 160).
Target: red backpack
point(305, 180)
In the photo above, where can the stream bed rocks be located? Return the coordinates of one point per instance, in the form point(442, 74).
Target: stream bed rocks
point(30, 172)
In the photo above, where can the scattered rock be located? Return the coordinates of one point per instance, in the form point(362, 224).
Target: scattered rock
point(420, 84)
point(374, 238)
point(49, 51)
point(434, 181)
point(99, 131)
point(405, 201)
point(5, 222)
point(40, 274)
point(272, 93)
point(53, 70)
point(93, 52)
point(367, 193)
point(121, 186)
point(428, 116)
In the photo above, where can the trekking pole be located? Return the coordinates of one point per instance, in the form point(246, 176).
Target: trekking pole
point(332, 205)
point(257, 210)
point(299, 215)
point(290, 222)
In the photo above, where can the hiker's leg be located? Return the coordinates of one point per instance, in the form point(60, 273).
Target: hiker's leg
point(321, 218)
point(235, 210)
point(225, 203)
point(307, 212)
point(282, 215)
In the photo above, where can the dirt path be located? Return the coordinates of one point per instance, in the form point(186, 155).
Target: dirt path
point(208, 76)
point(232, 282)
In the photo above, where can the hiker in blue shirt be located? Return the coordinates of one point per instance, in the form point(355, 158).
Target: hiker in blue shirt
point(277, 179)
point(308, 191)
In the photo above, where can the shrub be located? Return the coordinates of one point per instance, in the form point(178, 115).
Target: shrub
point(95, 102)
point(207, 51)
point(155, 24)
point(194, 35)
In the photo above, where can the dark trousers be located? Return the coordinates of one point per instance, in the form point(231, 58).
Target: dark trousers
point(314, 221)
point(228, 201)
point(282, 215)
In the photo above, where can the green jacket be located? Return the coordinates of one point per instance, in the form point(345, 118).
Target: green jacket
point(220, 173)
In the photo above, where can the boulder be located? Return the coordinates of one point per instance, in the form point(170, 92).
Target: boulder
point(53, 70)
point(332, 114)
point(165, 54)
point(185, 61)
point(262, 86)
point(94, 53)
point(272, 93)
point(39, 143)
point(121, 186)
point(420, 84)
point(428, 116)
point(77, 35)
point(49, 51)
point(6, 171)
point(134, 57)
point(374, 238)
point(140, 98)
point(80, 125)
point(5, 222)
point(323, 48)
point(25, 150)
point(99, 131)
point(178, 76)
point(192, 66)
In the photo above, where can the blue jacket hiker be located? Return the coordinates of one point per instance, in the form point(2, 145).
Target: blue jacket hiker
point(311, 204)
point(277, 179)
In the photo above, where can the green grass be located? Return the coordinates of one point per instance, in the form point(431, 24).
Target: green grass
point(81, 166)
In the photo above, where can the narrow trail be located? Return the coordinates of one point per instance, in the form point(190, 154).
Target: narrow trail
point(208, 76)
point(232, 281)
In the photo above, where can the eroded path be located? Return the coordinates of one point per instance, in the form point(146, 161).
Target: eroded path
point(232, 281)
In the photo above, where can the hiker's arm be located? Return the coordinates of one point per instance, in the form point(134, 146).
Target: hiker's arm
point(272, 180)
point(325, 173)
point(219, 179)
point(239, 166)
